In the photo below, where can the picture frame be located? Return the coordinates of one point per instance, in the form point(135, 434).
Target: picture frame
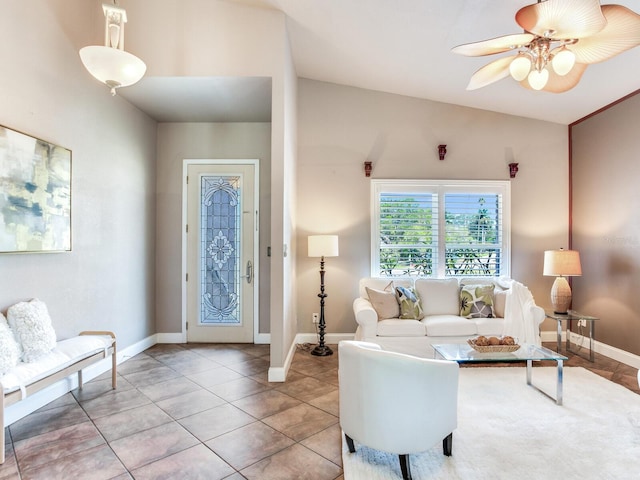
point(35, 194)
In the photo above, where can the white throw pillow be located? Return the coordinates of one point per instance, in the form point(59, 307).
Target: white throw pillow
point(384, 302)
point(9, 349)
point(32, 327)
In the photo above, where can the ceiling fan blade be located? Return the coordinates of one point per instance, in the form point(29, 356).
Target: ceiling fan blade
point(494, 45)
point(621, 33)
point(562, 19)
point(559, 84)
point(490, 73)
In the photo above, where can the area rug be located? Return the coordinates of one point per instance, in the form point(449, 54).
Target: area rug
point(508, 430)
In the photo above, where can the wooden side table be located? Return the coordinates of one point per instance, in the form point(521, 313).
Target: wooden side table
point(582, 321)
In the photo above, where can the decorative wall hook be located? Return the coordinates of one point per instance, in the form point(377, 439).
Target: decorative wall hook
point(368, 167)
point(442, 151)
point(513, 169)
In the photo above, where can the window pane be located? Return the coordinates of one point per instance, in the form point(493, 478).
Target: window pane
point(440, 228)
point(473, 236)
point(407, 233)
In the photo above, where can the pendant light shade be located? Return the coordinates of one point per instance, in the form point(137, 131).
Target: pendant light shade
point(110, 64)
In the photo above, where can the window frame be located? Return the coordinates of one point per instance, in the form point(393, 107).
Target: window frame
point(439, 188)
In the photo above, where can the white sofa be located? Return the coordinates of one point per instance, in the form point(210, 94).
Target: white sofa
point(515, 313)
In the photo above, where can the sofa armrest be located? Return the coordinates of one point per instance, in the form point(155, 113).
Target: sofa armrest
point(366, 317)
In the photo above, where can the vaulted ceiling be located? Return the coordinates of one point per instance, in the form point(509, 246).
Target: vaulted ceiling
point(404, 47)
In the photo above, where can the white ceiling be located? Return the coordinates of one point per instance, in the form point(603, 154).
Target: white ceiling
point(403, 47)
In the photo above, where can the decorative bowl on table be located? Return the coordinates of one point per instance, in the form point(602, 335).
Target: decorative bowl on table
point(494, 344)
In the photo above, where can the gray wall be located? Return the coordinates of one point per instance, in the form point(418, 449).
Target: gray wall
point(107, 281)
point(180, 141)
point(606, 226)
point(341, 127)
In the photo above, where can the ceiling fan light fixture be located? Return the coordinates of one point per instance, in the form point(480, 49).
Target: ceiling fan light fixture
point(520, 67)
point(563, 61)
point(593, 32)
point(538, 78)
point(110, 64)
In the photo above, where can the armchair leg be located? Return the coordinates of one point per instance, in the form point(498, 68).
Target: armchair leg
point(352, 447)
point(447, 444)
point(405, 466)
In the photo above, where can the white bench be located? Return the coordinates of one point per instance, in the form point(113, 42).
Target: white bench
point(70, 356)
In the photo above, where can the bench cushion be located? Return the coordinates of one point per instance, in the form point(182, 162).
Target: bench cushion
point(64, 354)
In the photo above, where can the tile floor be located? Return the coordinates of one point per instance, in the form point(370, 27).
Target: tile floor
point(200, 412)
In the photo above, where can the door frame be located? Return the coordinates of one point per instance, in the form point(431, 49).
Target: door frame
point(256, 237)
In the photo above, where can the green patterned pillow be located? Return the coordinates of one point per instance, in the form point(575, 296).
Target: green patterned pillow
point(476, 301)
point(409, 302)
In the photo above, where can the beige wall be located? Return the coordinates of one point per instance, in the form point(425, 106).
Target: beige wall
point(107, 281)
point(341, 127)
point(180, 141)
point(221, 38)
point(606, 226)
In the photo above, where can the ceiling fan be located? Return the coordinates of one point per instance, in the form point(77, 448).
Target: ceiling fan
point(561, 38)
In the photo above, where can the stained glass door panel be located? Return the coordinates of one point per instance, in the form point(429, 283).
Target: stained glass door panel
point(220, 242)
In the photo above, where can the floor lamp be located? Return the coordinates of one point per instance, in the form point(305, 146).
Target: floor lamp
point(322, 246)
point(561, 264)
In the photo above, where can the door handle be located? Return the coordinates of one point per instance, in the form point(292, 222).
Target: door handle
point(249, 271)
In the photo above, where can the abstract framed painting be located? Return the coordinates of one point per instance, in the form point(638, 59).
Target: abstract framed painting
point(35, 194)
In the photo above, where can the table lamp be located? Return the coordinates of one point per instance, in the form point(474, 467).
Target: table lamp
point(322, 246)
point(561, 264)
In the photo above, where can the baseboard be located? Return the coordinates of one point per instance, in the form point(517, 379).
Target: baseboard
point(178, 337)
point(329, 338)
point(279, 374)
point(602, 348)
point(39, 399)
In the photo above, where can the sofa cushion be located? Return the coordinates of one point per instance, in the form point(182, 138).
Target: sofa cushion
point(32, 327)
point(476, 301)
point(395, 327)
point(410, 305)
point(449, 326)
point(9, 350)
point(384, 302)
point(489, 326)
point(439, 296)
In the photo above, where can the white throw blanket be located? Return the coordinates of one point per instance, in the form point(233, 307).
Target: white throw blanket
point(522, 317)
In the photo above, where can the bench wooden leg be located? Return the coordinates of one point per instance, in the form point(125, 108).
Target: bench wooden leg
point(113, 367)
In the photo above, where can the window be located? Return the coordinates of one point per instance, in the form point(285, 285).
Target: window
point(440, 228)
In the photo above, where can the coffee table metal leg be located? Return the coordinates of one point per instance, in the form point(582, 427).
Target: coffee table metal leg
point(559, 384)
point(558, 398)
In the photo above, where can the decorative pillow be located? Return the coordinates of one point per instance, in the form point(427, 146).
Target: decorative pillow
point(476, 301)
point(409, 302)
point(9, 349)
point(384, 302)
point(499, 302)
point(32, 327)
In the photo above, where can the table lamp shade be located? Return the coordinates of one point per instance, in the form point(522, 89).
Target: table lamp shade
point(561, 263)
point(323, 245)
point(565, 263)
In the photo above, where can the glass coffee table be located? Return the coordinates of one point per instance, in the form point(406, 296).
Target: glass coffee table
point(463, 353)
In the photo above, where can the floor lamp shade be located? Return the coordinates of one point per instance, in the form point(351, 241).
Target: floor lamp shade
point(561, 264)
point(323, 245)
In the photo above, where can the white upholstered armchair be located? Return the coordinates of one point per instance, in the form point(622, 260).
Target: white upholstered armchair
point(396, 403)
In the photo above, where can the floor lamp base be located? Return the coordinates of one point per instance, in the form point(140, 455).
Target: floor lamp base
point(321, 351)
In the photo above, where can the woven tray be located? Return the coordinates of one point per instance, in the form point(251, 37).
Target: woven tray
point(493, 348)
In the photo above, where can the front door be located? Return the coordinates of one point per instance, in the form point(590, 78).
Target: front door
point(222, 236)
